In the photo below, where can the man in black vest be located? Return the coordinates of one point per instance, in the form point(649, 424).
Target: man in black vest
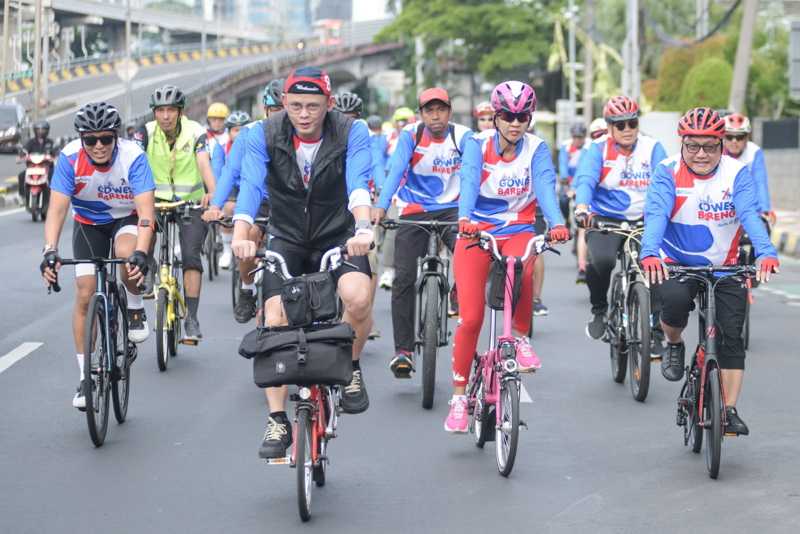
point(316, 165)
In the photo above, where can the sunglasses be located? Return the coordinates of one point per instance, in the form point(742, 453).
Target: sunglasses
point(91, 140)
point(521, 118)
point(630, 124)
point(694, 148)
point(735, 137)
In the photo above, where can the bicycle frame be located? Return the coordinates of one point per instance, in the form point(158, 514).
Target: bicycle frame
point(176, 305)
point(432, 266)
point(319, 400)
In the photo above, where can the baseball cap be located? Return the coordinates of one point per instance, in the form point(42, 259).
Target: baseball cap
point(434, 93)
point(308, 81)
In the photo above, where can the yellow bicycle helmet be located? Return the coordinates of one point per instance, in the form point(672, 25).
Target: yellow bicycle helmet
point(218, 110)
point(403, 114)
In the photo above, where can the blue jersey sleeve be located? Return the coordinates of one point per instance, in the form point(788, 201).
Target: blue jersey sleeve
point(358, 166)
point(469, 176)
point(657, 156)
point(587, 176)
point(658, 206)
point(745, 201)
point(229, 177)
point(253, 180)
point(544, 185)
point(217, 161)
point(563, 162)
point(469, 134)
point(398, 165)
point(140, 176)
point(378, 149)
point(758, 170)
point(63, 176)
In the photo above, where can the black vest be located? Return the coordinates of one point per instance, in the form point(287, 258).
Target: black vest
point(318, 216)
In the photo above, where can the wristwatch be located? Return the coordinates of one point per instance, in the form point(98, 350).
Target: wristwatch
point(48, 248)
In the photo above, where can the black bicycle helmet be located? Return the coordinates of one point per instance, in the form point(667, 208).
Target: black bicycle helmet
point(578, 130)
point(349, 103)
point(97, 117)
point(168, 95)
point(237, 118)
point(41, 125)
point(374, 122)
point(273, 93)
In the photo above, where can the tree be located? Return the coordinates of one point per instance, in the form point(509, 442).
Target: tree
point(707, 84)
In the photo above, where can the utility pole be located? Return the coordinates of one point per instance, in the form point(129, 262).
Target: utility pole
point(37, 58)
point(129, 78)
point(419, 51)
point(741, 67)
point(45, 77)
point(631, 83)
point(588, 62)
point(6, 39)
point(573, 88)
point(701, 16)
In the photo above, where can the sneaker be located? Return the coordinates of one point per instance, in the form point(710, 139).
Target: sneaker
point(458, 419)
point(596, 328)
point(452, 304)
point(734, 423)
point(674, 361)
point(374, 334)
point(539, 309)
point(226, 259)
point(277, 438)
point(402, 365)
point(79, 401)
point(527, 360)
point(246, 306)
point(355, 398)
point(137, 326)
point(581, 278)
point(191, 328)
point(387, 279)
point(656, 343)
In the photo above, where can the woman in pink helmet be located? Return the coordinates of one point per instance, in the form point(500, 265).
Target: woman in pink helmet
point(505, 173)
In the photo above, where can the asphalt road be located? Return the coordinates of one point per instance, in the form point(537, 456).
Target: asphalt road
point(592, 460)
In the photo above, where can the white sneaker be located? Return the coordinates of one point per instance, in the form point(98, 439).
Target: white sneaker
point(177, 251)
point(79, 401)
point(138, 330)
point(387, 278)
point(226, 259)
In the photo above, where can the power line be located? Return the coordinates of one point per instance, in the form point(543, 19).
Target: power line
point(666, 38)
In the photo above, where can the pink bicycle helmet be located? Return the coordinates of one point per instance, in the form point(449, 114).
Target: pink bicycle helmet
point(701, 122)
point(736, 123)
point(513, 96)
point(620, 108)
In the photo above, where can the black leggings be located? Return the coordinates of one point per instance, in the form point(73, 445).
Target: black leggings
point(603, 252)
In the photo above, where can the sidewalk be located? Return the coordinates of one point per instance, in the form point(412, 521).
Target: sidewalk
point(786, 234)
point(8, 194)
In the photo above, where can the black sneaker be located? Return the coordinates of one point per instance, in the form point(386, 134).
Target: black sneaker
point(539, 309)
point(674, 361)
point(402, 365)
point(734, 423)
point(656, 343)
point(245, 307)
point(137, 326)
point(596, 328)
point(452, 304)
point(354, 397)
point(191, 328)
point(581, 278)
point(277, 438)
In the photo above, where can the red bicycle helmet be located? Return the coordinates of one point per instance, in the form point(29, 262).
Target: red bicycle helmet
point(620, 108)
point(701, 122)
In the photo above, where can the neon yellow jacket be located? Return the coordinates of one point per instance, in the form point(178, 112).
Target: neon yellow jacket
point(175, 170)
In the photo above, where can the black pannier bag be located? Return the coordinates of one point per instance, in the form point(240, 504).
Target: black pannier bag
point(320, 355)
point(495, 296)
point(309, 298)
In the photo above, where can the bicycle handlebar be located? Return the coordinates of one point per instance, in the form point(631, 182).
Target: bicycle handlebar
point(537, 244)
point(329, 262)
point(711, 269)
point(622, 226)
point(99, 262)
point(393, 224)
point(228, 222)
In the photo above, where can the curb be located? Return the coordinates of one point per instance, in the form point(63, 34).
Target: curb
point(787, 241)
point(9, 200)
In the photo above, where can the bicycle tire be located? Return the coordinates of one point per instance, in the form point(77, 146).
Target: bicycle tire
point(481, 422)
point(162, 334)
point(713, 422)
point(617, 345)
point(120, 385)
point(303, 464)
point(174, 334)
point(696, 437)
point(96, 388)
point(639, 359)
point(208, 252)
point(34, 204)
point(234, 284)
point(430, 341)
point(507, 435)
point(746, 326)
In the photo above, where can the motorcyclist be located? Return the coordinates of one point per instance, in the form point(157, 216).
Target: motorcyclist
point(40, 143)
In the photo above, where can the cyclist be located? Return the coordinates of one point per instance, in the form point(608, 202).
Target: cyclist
point(699, 200)
point(40, 143)
point(738, 146)
point(273, 93)
point(505, 173)
point(109, 184)
point(484, 116)
point(611, 182)
point(378, 149)
point(173, 144)
point(598, 128)
point(569, 154)
point(316, 165)
point(349, 103)
point(423, 176)
point(215, 134)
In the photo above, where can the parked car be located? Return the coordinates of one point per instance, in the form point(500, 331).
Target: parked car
point(14, 126)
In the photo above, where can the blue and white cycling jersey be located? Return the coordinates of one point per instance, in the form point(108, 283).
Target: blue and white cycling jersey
point(568, 157)
point(379, 148)
point(753, 157)
point(613, 184)
point(102, 193)
point(231, 171)
point(697, 220)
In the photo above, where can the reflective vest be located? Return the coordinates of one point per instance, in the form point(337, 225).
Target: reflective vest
point(175, 170)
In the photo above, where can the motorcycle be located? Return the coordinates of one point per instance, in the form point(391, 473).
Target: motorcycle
point(37, 184)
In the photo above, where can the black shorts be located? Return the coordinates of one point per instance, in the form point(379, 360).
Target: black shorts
point(191, 236)
point(540, 226)
point(263, 209)
point(302, 260)
point(234, 193)
point(95, 240)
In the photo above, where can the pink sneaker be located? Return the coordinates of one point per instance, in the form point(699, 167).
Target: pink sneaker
point(527, 360)
point(457, 420)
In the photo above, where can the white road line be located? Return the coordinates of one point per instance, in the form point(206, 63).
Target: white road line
point(524, 398)
point(12, 212)
point(17, 354)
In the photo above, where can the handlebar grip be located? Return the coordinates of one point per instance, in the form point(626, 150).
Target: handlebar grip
point(55, 287)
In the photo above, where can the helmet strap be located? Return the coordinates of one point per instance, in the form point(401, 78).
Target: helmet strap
point(508, 141)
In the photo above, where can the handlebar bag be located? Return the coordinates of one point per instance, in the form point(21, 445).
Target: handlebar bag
point(321, 355)
point(495, 294)
point(310, 298)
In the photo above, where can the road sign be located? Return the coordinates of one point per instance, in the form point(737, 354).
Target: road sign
point(126, 70)
point(794, 61)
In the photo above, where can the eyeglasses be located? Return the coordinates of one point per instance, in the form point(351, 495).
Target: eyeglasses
point(631, 124)
point(521, 118)
point(735, 137)
point(710, 149)
point(91, 140)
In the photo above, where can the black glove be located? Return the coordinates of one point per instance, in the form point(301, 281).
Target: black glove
point(139, 259)
point(50, 259)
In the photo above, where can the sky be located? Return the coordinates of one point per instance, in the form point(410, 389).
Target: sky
point(368, 10)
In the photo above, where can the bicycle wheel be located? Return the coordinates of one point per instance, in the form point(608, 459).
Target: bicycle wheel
point(696, 437)
point(617, 345)
point(97, 377)
point(507, 435)
point(712, 419)
point(639, 352)
point(174, 334)
point(208, 252)
point(120, 385)
point(746, 327)
point(162, 332)
point(430, 341)
point(303, 463)
point(234, 283)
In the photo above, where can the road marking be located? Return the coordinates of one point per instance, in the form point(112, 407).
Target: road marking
point(12, 212)
point(17, 354)
point(524, 398)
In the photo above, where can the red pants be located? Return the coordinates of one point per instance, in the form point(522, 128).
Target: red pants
point(471, 268)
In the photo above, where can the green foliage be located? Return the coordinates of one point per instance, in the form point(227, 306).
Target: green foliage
point(675, 65)
point(707, 84)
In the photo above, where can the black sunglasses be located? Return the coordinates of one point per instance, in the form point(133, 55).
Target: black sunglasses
point(632, 124)
point(522, 117)
point(710, 149)
point(735, 137)
point(91, 140)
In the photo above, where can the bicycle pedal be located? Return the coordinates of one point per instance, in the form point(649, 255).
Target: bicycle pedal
point(189, 341)
point(286, 460)
point(523, 424)
point(656, 358)
point(731, 434)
